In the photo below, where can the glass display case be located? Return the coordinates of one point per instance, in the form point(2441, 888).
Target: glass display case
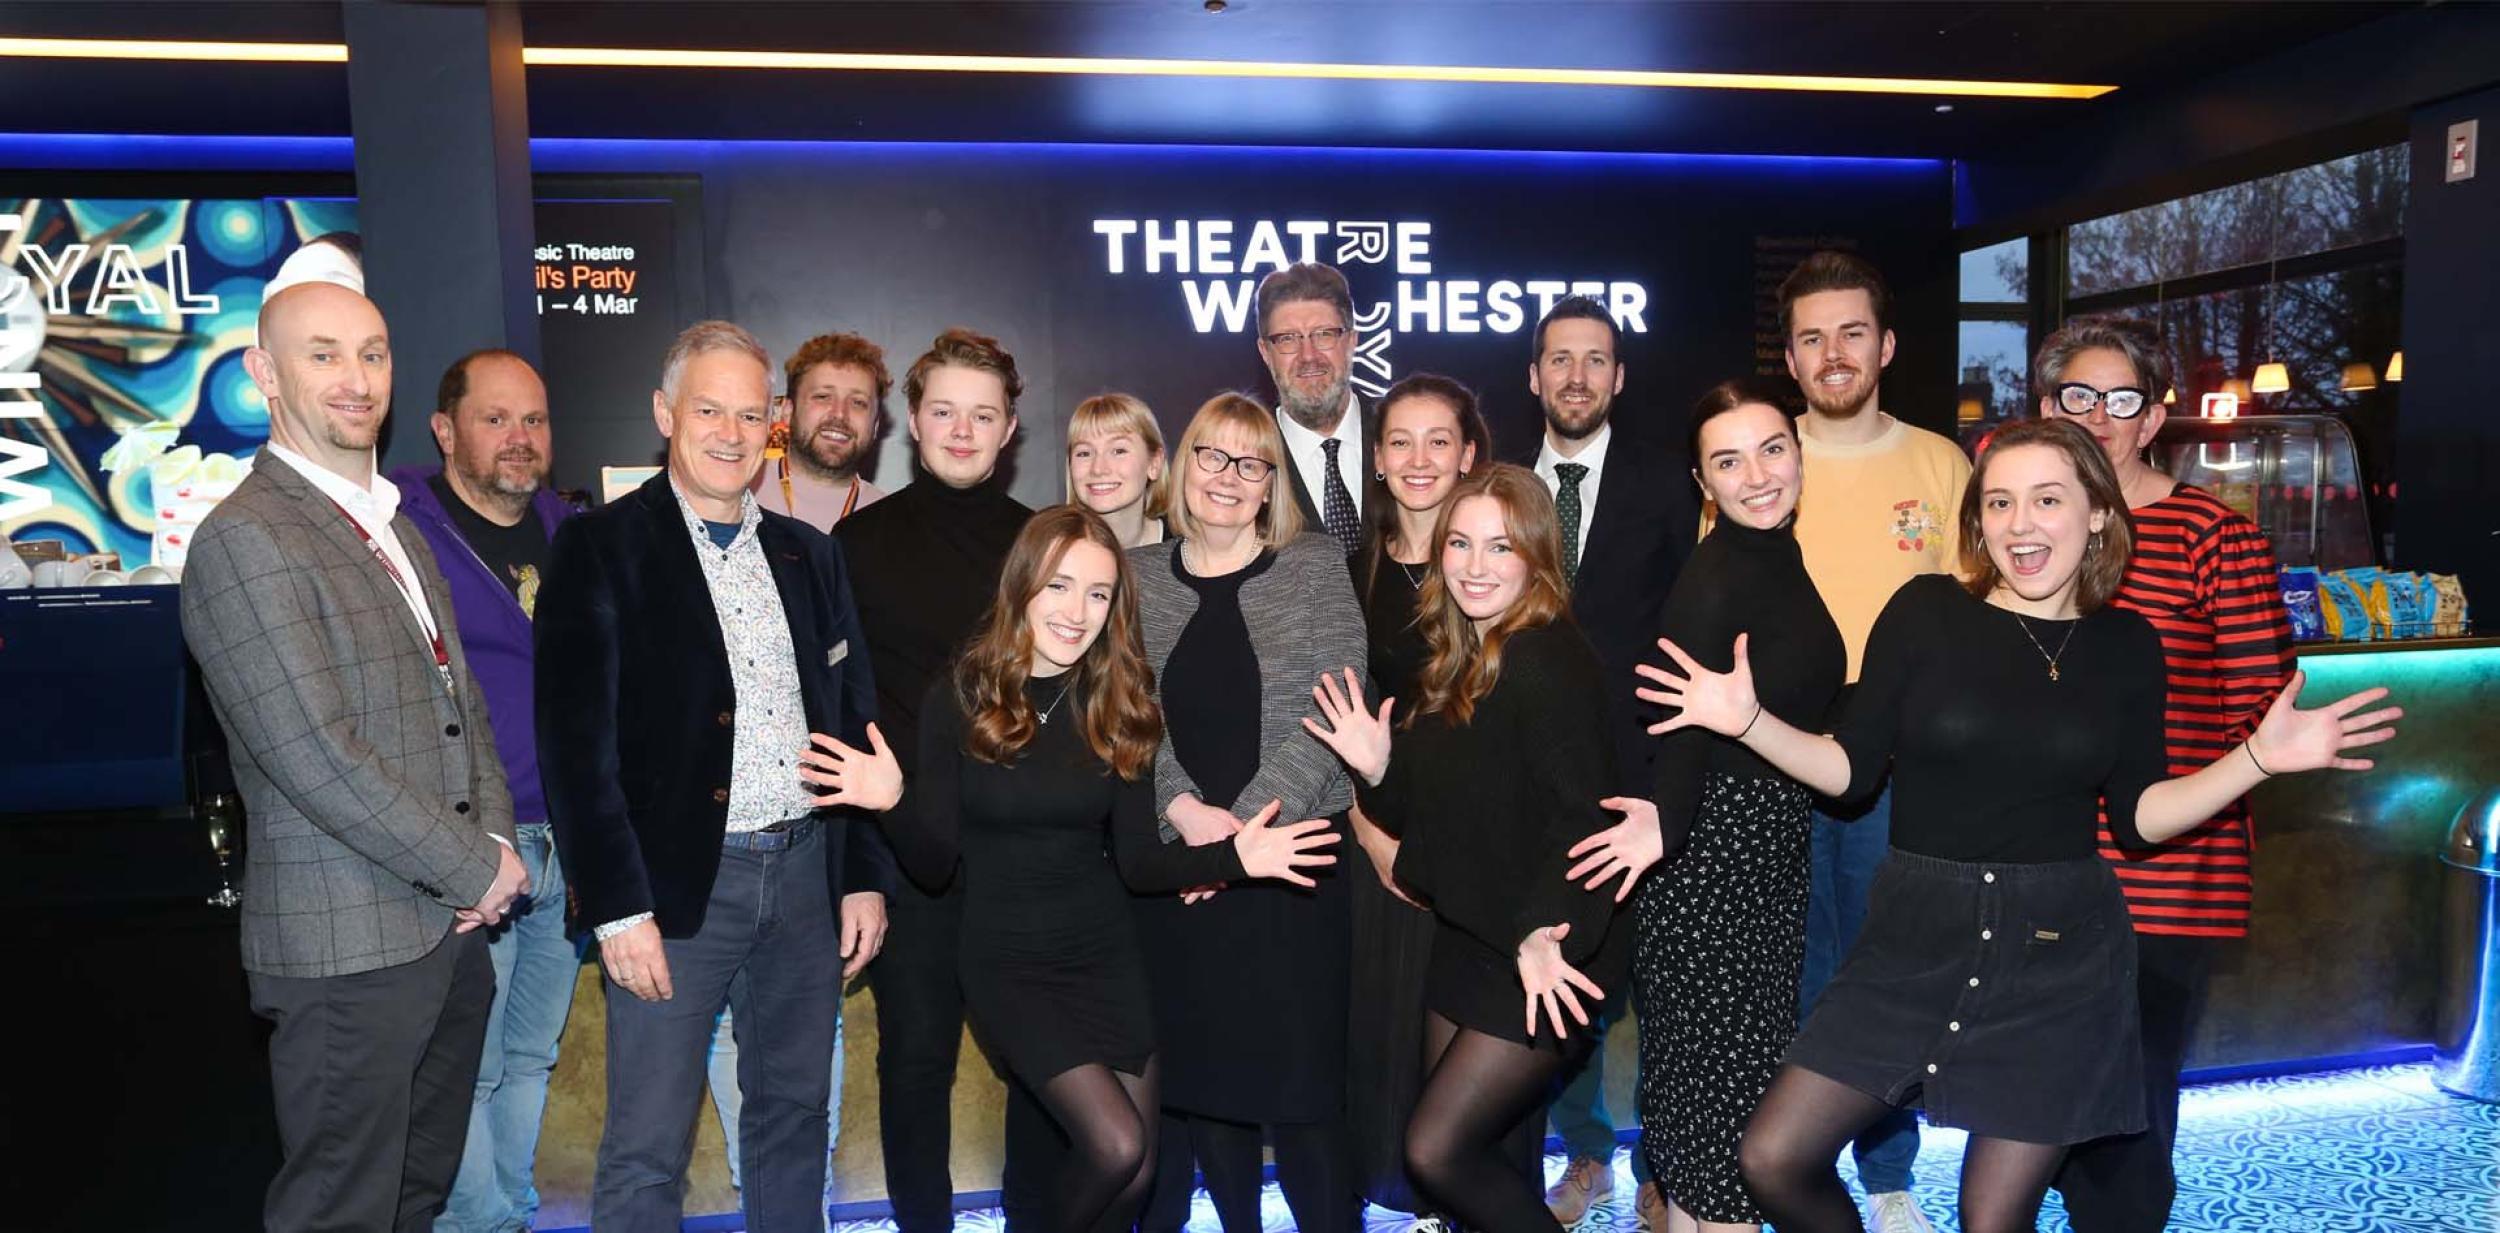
point(2296, 476)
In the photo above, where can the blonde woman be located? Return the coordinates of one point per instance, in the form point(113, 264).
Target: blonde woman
point(1241, 613)
point(1116, 466)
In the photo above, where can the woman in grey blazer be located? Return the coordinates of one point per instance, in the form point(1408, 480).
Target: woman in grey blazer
point(1242, 614)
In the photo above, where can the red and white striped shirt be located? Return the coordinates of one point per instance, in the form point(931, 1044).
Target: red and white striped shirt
point(2206, 579)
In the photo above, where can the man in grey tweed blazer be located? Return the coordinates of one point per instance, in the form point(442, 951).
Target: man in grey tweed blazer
point(379, 827)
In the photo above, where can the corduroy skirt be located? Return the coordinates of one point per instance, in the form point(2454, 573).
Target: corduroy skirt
point(2001, 997)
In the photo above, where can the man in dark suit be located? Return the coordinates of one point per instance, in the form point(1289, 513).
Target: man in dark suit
point(1306, 336)
point(690, 646)
point(380, 828)
point(1629, 510)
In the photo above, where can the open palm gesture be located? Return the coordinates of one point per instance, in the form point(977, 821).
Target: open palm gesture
point(1358, 735)
point(2291, 739)
point(1723, 702)
point(868, 779)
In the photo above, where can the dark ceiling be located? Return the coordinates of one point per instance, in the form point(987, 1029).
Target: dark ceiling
point(2140, 47)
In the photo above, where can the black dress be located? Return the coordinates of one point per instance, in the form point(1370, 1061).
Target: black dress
point(1994, 981)
point(1721, 922)
point(1050, 964)
point(1392, 939)
point(1487, 813)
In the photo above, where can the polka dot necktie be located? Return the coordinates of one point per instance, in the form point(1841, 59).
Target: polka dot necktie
point(1336, 504)
point(1567, 511)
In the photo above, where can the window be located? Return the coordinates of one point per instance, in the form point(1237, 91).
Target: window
point(1996, 334)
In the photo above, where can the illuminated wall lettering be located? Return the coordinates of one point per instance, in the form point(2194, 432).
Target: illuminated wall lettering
point(1189, 250)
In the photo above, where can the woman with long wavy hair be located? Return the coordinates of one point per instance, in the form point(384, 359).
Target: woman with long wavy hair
point(1045, 736)
point(1494, 777)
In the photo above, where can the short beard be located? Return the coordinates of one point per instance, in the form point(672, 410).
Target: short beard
point(804, 455)
point(1320, 414)
point(1560, 421)
point(1832, 407)
point(509, 498)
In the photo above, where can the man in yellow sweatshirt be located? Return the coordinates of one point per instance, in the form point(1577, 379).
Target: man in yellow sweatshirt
point(1879, 507)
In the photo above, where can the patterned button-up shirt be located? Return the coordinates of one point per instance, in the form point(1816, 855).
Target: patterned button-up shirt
point(764, 784)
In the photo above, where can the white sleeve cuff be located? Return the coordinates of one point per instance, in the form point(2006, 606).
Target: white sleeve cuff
point(615, 927)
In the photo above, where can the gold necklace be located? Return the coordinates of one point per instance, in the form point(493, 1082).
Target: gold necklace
point(2044, 651)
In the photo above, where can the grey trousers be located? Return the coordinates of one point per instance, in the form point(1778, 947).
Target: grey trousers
point(770, 950)
point(373, 1074)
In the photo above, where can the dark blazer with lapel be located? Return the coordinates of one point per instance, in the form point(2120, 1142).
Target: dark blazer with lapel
point(1638, 538)
point(636, 706)
point(1302, 494)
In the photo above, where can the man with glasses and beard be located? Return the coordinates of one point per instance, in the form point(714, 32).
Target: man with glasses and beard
point(1306, 337)
point(1879, 511)
point(836, 387)
point(489, 515)
point(1628, 513)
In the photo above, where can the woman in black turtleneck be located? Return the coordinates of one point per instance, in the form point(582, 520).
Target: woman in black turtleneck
point(924, 565)
point(1720, 925)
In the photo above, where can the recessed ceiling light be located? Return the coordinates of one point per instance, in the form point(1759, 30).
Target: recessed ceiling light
point(1942, 108)
point(675, 57)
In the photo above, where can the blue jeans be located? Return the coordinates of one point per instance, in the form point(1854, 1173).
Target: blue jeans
point(1846, 850)
point(1579, 1115)
point(768, 949)
point(535, 965)
point(722, 1076)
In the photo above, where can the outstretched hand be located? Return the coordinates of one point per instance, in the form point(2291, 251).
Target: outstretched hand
point(1552, 984)
point(1359, 736)
point(1723, 702)
point(869, 779)
point(1269, 851)
point(2291, 739)
point(1627, 848)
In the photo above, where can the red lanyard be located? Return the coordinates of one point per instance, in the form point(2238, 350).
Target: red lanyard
point(442, 657)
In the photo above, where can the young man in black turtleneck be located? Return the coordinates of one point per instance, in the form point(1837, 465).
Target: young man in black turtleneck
point(925, 564)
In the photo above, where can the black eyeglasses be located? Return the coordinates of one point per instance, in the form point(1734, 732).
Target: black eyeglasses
point(1290, 341)
point(1213, 461)
point(2123, 403)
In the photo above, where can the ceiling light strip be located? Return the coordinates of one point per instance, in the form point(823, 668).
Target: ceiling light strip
point(855, 62)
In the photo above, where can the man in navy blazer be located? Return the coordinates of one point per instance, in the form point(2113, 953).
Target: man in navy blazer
point(689, 645)
point(1629, 510)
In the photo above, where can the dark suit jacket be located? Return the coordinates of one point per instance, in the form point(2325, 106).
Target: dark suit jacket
point(1638, 538)
point(636, 706)
point(1311, 520)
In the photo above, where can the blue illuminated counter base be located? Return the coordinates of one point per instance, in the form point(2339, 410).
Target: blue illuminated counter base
point(2343, 956)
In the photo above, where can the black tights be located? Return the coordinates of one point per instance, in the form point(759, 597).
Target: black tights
point(1110, 1120)
point(1797, 1132)
point(1463, 1145)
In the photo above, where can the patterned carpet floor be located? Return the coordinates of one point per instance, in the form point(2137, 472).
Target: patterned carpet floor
point(2377, 1150)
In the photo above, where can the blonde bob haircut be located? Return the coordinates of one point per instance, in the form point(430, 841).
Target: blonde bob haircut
point(1241, 418)
point(1109, 415)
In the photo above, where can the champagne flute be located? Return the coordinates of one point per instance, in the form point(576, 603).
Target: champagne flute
point(223, 813)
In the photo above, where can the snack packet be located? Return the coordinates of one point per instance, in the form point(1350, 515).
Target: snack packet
point(2347, 614)
point(2300, 599)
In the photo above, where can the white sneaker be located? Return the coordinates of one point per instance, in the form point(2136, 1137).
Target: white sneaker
point(1894, 1211)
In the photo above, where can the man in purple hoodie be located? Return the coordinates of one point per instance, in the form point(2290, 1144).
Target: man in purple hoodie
point(489, 516)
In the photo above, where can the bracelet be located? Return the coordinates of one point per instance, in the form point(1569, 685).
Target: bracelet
point(2250, 748)
point(1757, 718)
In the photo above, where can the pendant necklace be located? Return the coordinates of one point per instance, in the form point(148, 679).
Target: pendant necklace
point(1043, 716)
point(2044, 651)
point(1414, 579)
